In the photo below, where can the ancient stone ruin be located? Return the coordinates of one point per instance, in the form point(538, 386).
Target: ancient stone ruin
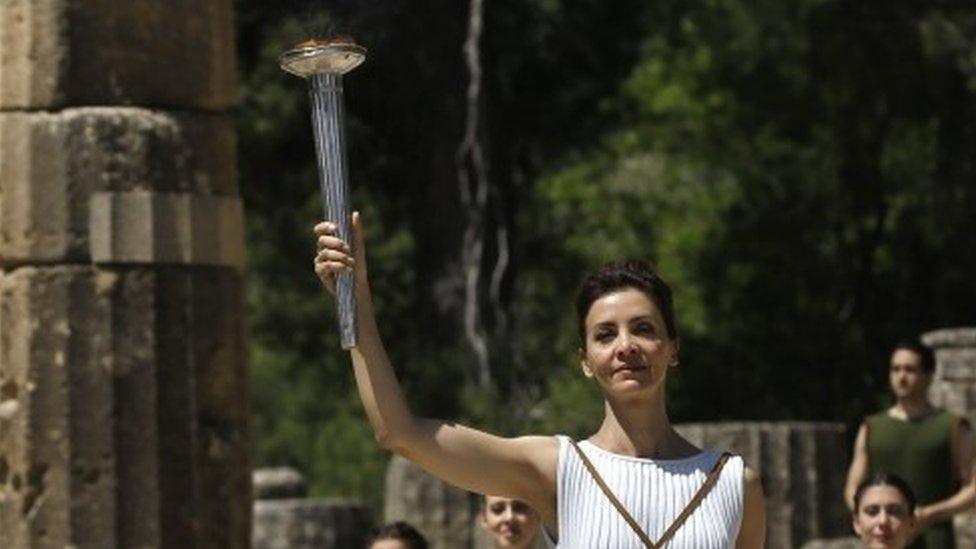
point(123, 408)
point(123, 398)
point(285, 518)
point(954, 389)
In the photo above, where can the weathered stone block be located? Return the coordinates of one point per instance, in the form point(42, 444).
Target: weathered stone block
point(954, 388)
point(202, 488)
point(443, 513)
point(964, 337)
point(56, 454)
point(123, 410)
point(175, 54)
point(218, 356)
point(803, 466)
point(309, 524)
point(135, 367)
point(53, 167)
point(170, 228)
point(958, 398)
point(279, 483)
point(965, 526)
point(91, 396)
point(957, 364)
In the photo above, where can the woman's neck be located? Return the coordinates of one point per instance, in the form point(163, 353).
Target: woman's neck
point(640, 429)
point(911, 408)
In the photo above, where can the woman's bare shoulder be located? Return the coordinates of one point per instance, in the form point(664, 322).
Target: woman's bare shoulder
point(542, 449)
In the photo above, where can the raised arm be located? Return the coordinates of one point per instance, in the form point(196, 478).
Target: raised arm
point(858, 470)
point(522, 468)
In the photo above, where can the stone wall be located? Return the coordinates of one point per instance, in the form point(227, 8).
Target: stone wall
point(446, 515)
point(123, 407)
point(954, 388)
point(443, 513)
point(284, 518)
point(803, 466)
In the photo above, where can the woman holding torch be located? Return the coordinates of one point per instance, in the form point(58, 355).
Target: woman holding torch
point(634, 482)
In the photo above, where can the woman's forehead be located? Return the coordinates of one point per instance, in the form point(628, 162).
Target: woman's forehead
point(622, 304)
point(882, 494)
point(906, 358)
point(498, 499)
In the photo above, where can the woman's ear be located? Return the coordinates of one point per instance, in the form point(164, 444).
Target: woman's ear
point(675, 348)
point(583, 365)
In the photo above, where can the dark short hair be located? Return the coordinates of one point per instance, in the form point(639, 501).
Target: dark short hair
point(923, 352)
point(885, 479)
point(398, 530)
point(619, 275)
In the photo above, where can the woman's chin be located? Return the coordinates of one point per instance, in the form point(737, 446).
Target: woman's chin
point(882, 543)
point(630, 384)
point(512, 541)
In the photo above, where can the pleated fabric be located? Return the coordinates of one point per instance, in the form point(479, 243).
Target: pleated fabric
point(654, 491)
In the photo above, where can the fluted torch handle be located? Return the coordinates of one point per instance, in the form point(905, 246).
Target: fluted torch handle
point(322, 63)
point(328, 124)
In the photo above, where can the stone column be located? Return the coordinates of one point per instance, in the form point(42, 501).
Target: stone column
point(123, 402)
point(803, 465)
point(954, 388)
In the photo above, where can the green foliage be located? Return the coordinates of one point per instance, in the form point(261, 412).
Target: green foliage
point(767, 158)
point(801, 173)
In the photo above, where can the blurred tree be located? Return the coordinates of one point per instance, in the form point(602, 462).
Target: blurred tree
point(825, 147)
point(801, 172)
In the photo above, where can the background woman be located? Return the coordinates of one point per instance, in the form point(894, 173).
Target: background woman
point(884, 512)
point(512, 523)
point(652, 477)
point(396, 535)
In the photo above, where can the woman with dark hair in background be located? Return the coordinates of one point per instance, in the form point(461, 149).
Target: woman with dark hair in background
point(884, 512)
point(634, 481)
point(396, 535)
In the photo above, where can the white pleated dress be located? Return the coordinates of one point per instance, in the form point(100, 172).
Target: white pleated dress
point(654, 491)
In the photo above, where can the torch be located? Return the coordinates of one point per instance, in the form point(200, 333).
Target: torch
point(322, 63)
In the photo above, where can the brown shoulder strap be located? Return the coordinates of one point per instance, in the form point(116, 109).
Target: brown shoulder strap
point(710, 481)
point(613, 499)
point(696, 501)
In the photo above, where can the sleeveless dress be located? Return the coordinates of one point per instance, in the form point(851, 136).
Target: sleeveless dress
point(920, 452)
point(654, 491)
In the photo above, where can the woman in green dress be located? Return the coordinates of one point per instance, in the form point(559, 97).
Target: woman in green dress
point(930, 448)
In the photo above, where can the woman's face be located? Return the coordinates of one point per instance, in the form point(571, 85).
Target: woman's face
point(882, 520)
point(907, 376)
point(512, 523)
point(627, 345)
